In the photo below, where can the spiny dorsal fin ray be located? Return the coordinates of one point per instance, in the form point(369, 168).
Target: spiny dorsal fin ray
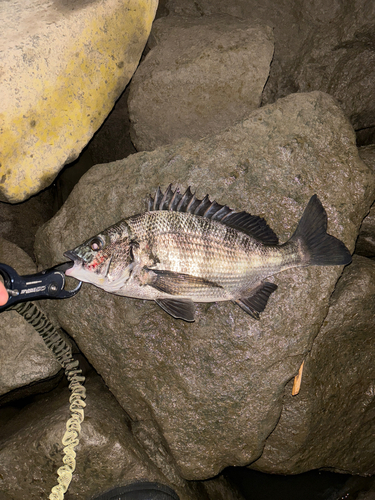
point(167, 198)
point(185, 200)
point(252, 225)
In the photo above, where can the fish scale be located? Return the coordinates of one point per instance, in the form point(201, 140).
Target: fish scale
point(235, 257)
point(185, 250)
point(200, 248)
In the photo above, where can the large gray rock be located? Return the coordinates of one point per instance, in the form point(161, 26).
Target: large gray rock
point(337, 59)
point(108, 454)
point(214, 389)
point(319, 45)
point(201, 76)
point(24, 358)
point(365, 244)
point(330, 424)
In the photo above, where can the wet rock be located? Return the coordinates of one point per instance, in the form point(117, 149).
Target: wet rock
point(64, 65)
point(365, 244)
point(214, 388)
point(330, 423)
point(107, 456)
point(24, 358)
point(201, 76)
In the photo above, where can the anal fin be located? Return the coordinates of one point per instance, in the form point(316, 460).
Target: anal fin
point(257, 301)
point(178, 308)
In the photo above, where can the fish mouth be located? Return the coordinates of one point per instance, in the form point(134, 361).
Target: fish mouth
point(76, 264)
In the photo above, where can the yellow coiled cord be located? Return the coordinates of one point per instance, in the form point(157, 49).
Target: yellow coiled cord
point(63, 354)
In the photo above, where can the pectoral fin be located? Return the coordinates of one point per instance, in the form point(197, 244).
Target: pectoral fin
point(179, 309)
point(257, 301)
point(177, 283)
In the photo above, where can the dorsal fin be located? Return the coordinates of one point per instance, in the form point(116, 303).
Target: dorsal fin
point(254, 226)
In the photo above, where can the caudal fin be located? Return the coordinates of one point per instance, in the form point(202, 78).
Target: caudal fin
point(321, 249)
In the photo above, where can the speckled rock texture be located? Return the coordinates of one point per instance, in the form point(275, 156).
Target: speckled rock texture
point(201, 76)
point(24, 358)
point(63, 64)
point(108, 454)
point(319, 45)
point(214, 389)
point(338, 57)
point(330, 424)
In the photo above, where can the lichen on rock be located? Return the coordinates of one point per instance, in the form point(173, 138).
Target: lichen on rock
point(64, 64)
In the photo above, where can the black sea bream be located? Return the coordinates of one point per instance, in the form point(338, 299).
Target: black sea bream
point(184, 250)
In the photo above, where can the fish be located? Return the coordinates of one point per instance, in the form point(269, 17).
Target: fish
point(183, 250)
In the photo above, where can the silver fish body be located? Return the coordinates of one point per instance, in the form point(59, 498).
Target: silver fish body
point(184, 250)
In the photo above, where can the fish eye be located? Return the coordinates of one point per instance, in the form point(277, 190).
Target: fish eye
point(96, 244)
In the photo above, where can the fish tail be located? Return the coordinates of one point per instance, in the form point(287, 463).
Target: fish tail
point(320, 248)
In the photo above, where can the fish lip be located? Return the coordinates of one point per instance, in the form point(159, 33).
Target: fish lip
point(75, 266)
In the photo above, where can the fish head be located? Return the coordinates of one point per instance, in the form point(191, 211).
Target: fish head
point(106, 260)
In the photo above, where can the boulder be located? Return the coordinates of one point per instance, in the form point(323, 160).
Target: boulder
point(108, 454)
point(201, 76)
point(319, 45)
point(337, 59)
point(64, 64)
point(214, 389)
point(24, 358)
point(330, 423)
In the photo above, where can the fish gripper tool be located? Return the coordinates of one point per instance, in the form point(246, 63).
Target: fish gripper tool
point(47, 284)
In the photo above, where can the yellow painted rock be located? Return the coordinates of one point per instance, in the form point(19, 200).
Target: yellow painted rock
point(63, 63)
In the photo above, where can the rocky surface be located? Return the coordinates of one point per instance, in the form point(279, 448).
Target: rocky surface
point(24, 358)
point(320, 45)
point(366, 239)
point(198, 397)
point(64, 64)
point(201, 76)
point(213, 390)
point(330, 423)
point(339, 58)
point(108, 454)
